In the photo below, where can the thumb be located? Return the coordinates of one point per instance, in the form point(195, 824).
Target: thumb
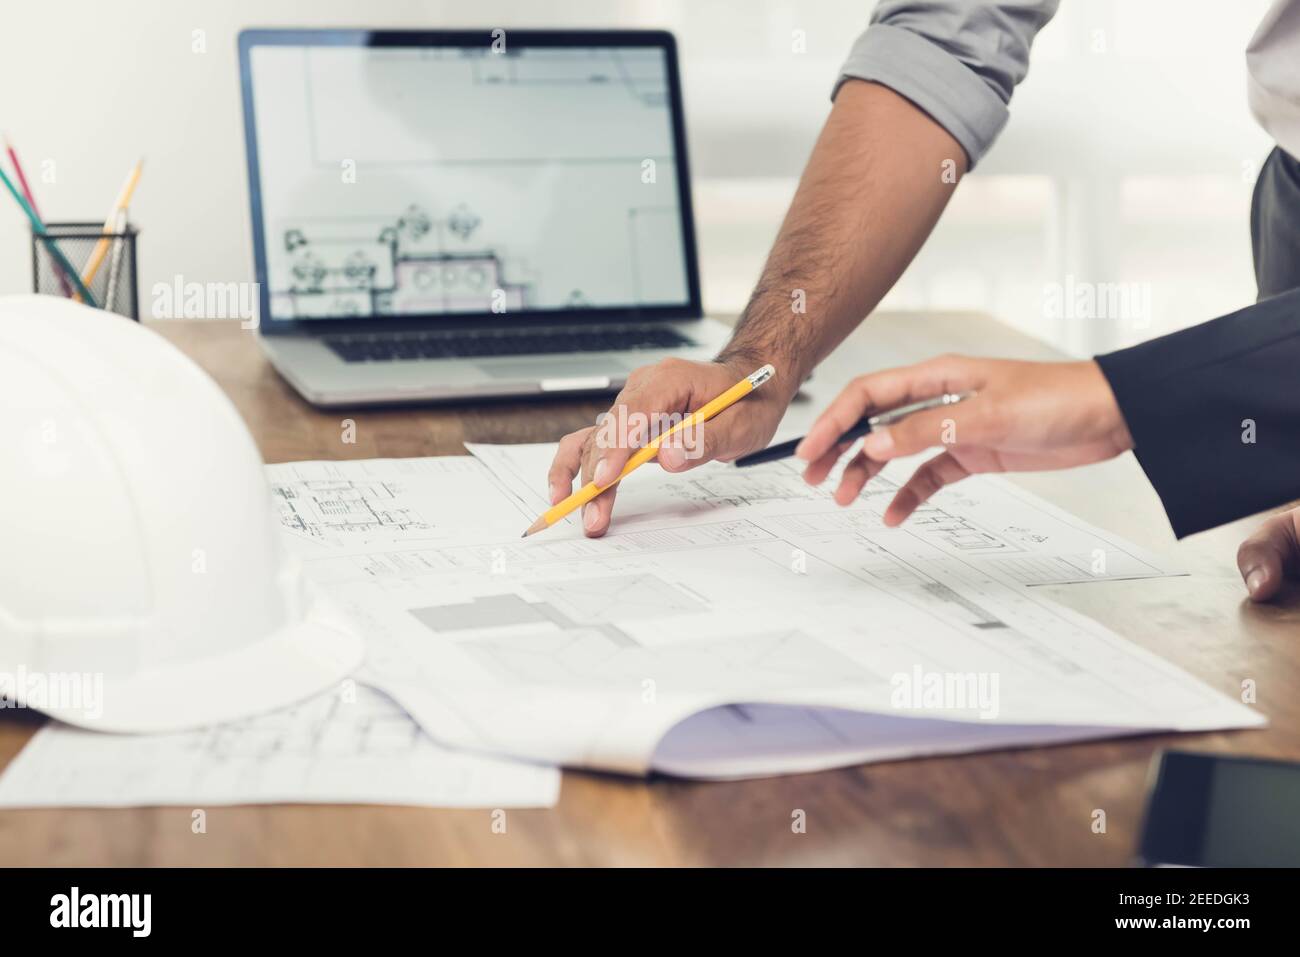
point(1264, 558)
point(967, 424)
point(720, 437)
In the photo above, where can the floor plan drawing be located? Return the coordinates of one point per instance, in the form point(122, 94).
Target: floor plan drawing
point(408, 262)
point(749, 589)
point(352, 745)
point(539, 179)
point(345, 507)
point(645, 596)
point(991, 528)
point(332, 509)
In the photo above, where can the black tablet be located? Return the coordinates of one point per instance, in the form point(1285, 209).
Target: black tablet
point(1214, 810)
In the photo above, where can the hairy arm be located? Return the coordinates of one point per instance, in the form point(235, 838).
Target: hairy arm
point(878, 179)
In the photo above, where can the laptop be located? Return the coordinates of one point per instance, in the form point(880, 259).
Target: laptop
point(471, 214)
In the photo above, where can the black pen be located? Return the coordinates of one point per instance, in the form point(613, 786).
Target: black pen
point(783, 450)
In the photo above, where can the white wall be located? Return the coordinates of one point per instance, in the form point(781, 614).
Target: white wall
point(1127, 159)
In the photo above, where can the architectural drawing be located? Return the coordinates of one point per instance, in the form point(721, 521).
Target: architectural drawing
point(409, 263)
point(351, 746)
point(335, 509)
point(521, 185)
point(726, 587)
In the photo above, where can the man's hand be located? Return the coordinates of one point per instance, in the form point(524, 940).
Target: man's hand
point(1270, 555)
point(873, 174)
point(1026, 416)
point(655, 398)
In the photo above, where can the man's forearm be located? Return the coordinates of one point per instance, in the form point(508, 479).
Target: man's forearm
point(878, 178)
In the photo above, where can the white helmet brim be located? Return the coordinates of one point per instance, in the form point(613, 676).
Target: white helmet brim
point(297, 662)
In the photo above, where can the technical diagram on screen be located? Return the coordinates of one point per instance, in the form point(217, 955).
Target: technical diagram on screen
point(403, 181)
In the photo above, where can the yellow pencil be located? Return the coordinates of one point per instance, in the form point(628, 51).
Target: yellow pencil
point(647, 452)
point(101, 247)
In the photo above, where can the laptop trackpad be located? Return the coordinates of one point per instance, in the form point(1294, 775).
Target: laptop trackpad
point(552, 368)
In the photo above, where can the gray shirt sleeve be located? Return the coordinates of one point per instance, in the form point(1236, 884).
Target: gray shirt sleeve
point(959, 60)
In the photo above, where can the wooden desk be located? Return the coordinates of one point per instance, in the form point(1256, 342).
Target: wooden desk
point(1016, 807)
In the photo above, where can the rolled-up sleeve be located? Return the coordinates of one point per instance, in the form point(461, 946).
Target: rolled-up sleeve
point(958, 60)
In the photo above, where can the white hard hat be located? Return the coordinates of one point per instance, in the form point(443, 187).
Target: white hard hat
point(138, 545)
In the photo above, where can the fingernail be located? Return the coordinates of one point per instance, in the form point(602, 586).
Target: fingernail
point(877, 443)
point(557, 493)
point(672, 456)
point(601, 476)
point(1255, 580)
point(589, 517)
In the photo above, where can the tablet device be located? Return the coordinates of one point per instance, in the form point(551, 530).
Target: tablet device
point(1213, 810)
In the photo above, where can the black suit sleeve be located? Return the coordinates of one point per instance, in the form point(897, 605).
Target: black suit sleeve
point(1214, 412)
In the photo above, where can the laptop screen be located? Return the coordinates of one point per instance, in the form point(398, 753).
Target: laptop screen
point(482, 178)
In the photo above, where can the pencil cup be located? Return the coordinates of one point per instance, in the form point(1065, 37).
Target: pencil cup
point(113, 284)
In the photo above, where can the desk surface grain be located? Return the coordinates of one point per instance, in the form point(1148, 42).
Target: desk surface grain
point(1031, 806)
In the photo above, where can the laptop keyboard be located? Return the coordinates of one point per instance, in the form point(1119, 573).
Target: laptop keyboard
point(403, 346)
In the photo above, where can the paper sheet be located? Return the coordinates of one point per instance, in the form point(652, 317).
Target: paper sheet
point(724, 587)
point(334, 749)
point(324, 506)
point(752, 740)
point(985, 520)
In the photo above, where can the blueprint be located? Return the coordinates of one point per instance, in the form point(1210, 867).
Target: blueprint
point(334, 505)
point(986, 521)
point(738, 623)
point(354, 746)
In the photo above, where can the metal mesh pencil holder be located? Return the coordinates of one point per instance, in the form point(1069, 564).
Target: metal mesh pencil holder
point(113, 285)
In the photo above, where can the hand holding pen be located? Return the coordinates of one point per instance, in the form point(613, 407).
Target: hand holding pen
point(1022, 417)
point(653, 448)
